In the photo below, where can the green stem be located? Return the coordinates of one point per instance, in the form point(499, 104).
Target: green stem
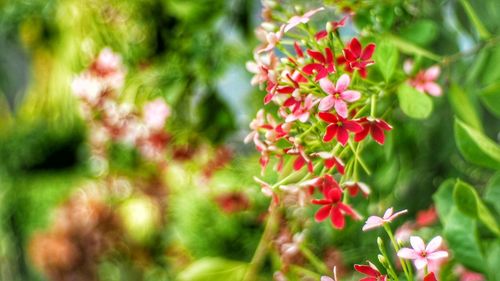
point(373, 105)
point(406, 267)
point(314, 260)
point(263, 246)
point(481, 29)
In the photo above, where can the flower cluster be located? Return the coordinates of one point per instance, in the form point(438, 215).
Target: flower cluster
point(109, 119)
point(324, 110)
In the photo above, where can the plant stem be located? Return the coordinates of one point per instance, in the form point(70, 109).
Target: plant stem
point(263, 246)
point(483, 32)
point(314, 260)
point(406, 267)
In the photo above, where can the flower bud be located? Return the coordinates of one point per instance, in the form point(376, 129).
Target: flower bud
point(329, 27)
point(380, 242)
point(268, 26)
point(382, 260)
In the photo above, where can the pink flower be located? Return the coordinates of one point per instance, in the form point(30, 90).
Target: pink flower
point(296, 20)
point(273, 38)
point(375, 127)
point(267, 189)
point(371, 271)
point(155, 114)
point(374, 221)
point(425, 80)
point(328, 278)
point(338, 127)
point(303, 110)
point(333, 205)
point(357, 57)
point(338, 95)
point(325, 64)
point(422, 254)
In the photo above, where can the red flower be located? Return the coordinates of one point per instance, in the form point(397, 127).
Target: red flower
point(430, 277)
point(339, 127)
point(333, 206)
point(301, 160)
point(375, 127)
point(335, 25)
point(331, 161)
point(358, 58)
point(371, 271)
point(323, 67)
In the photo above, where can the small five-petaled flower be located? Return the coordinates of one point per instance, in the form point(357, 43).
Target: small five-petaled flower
point(420, 254)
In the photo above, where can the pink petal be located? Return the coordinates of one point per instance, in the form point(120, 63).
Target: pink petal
point(417, 243)
point(434, 244)
point(388, 213)
point(341, 108)
point(397, 214)
point(437, 255)
point(350, 95)
point(433, 89)
point(432, 73)
point(408, 66)
point(330, 133)
point(407, 253)
point(343, 83)
point(327, 86)
point(420, 263)
point(372, 222)
point(326, 103)
point(326, 278)
point(322, 213)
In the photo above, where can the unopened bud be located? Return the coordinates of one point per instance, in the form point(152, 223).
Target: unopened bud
point(329, 27)
point(268, 26)
point(380, 242)
point(382, 260)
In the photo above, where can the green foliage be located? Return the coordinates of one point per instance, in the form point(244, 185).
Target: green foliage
point(215, 269)
point(413, 103)
point(463, 107)
point(475, 147)
point(386, 56)
point(490, 96)
point(421, 32)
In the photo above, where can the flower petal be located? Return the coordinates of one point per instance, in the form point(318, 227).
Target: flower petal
point(322, 213)
point(368, 51)
point(432, 73)
point(330, 133)
point(366, 269)
point(352, 126)
point(433, 89)
point(434, 244)
point(328, 117)
point(350, 95)
point(420, 263)
point(342, 135)
point(327, 86)
point(337, 218)
point(437, 255)
point(326, 103)
point(417, 243)
point(378, 134)
point(407, 253)
point(388, 213)
point(341, 108)
point(355, 47)
point(343, 83)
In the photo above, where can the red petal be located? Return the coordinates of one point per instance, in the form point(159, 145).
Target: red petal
point(335, 194)
point(340, 167)
point(329, 163)
point(366, 269)
point(349, 56)
point(330, 133)
point(320, 35)
point(268, 98)
point(430, 277)
point(337, 218)
point(383, 125)
point(342, 135)
point(328, 117)
point(309, 68)
point(298, 50)
point(348, 210)
point(368, 52)
point(377, 134)
point(355, 47)
point(299, 163)
point(329, 56)
point(321, 202)
point(362, 72)
point(285, 90)
point(310, 167)
point(362, 135)
point(322, 213)
point(368, 279)
point(317, 56)
point(321, 74)
point(352, 126)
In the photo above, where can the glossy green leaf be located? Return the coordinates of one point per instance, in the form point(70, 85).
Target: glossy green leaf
point(494, 260)
point(410, 48)
point(421, 32)
point(468, 202)
point(492, 192)
point(463, 107)
point(413, 103)
point(444, 199)
point(490, 97)
point(214, 269)
point(386, 56)
point(460, 233)
point(475, 147)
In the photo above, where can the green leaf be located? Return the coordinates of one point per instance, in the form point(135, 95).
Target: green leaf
point(214, 269)
point(460, 233)
point(475, 147)
point(386, 56)
point(444, 199)
point(463, 107)
point(490, 96)
point(468, 202)
point(410, 48)
point(421, 32)
point(494, 261)
point(415, 104)
point(492, 192)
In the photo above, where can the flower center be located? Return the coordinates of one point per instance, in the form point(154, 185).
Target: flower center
point(339, 124)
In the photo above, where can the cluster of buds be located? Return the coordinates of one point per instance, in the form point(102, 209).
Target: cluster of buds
point(111, 120)
point(324, 110)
